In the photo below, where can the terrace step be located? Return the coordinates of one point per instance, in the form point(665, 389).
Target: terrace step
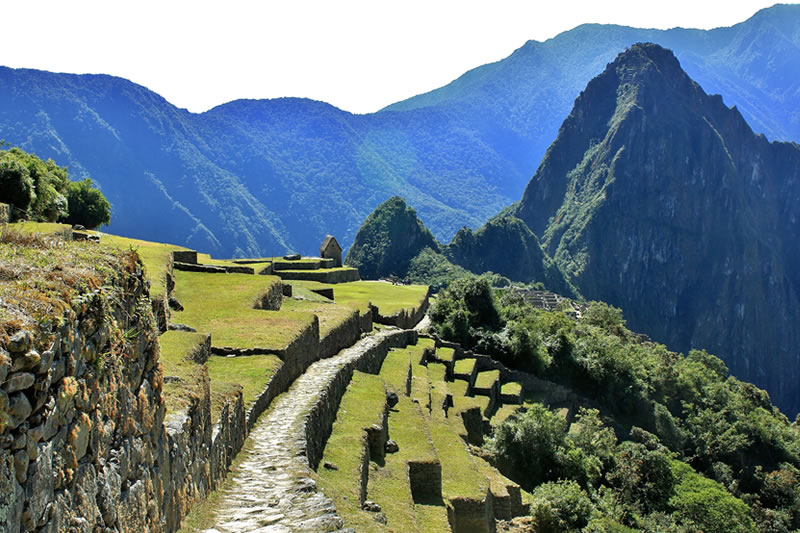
point(273, 489)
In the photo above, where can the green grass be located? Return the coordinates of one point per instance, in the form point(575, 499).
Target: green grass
point(250, 374)
point(389, 299)
point(511, 388)
point(222, 304)
point(155, 256)
point(486, 379)
point(304, 293)
point(362, 405)
point(420, 385)
point(330, 314)
point(48, 228)
point(389, 485)
point(460, 475)
point(462, 402)
point(445, 354)
point(394, 370)
point(464, 366)
point(206, 259)
point(176, 348)
point(504, 412)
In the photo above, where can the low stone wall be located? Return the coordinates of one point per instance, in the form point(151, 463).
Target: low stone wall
point(322, 276)
point(185, 256)
point(5, 213)
point(425, 479)
point(342, 336)
point(471, 516)
point(405, 319)
point(303, 351)
point(365, 319)
point(271, 299)
point(319, 420)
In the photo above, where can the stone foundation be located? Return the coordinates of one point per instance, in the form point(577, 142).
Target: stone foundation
point(322, 276)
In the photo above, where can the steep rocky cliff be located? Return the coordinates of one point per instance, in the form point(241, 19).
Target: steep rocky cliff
point(658, 198)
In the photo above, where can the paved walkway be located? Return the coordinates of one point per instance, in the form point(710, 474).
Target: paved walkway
point(272, 491)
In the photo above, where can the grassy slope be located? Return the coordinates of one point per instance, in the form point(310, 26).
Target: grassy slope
point(222, 304)
point(362, 405)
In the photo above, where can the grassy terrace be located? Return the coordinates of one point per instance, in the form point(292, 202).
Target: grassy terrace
point(462, 402)
point(155, 256)
point(464, 366)
point(486, 379)
point(250, 374)
point(206, 259)
point(395, 368)
point(176, 350)
point(389, 299)
point(222, 304)
point(460, 475)
point(330, 315)
point(513, 388)
point(389, 485)
point(445, 354)
point(362, 405)
point(47, 228)
point(33, 290)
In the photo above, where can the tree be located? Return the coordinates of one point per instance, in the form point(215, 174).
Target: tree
point(16, 186)
point(87, 205)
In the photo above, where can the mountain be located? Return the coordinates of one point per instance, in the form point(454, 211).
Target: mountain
point(261, 177)
point(389, 239)
point(659, 199)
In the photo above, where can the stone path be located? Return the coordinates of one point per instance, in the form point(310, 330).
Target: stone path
point(272, 491)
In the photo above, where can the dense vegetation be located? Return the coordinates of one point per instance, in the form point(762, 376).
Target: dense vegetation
point(393, 241)
point(253, 178)
point(676, 444)
point(42, 191)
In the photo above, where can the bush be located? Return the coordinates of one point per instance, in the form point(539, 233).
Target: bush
point(704, 505)
point(560, 506)
point(16, 186)
point(87, 205)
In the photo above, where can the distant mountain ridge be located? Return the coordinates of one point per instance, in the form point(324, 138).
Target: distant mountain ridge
point(261, 177)
point(658, 198)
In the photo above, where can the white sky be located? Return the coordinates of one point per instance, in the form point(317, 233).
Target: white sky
point(359, 55)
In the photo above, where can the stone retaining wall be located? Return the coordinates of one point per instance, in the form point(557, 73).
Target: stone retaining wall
point(270, 300)
point(425, 480)
point(322, 276)
point(319, 420)
point(5, 213)
point(471, 516)
point(83, 442)
point(404, 319)
point(342, 336)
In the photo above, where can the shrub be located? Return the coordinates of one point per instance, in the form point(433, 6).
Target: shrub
point(87, 205)
point(560, 506)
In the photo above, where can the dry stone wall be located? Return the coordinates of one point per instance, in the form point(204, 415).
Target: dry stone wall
point(404, 319)
point(85, 441)
point(5, 213)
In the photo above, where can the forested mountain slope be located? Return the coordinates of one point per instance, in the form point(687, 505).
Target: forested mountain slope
point(260, 177)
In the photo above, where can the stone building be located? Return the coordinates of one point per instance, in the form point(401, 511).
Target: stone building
point(330, 249)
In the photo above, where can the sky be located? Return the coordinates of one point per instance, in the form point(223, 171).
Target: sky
point(358, 55)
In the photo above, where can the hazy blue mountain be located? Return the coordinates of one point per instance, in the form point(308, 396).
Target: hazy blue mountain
point(660, 199)
point(260, 177)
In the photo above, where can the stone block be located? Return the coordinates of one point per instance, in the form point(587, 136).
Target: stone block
point(185, 256)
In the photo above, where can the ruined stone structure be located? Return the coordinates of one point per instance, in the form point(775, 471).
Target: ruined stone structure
point(330, 249)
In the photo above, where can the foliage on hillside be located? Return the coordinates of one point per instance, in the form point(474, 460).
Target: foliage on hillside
point(253, 178)
point(389, 239)
point(42, 190)
point(700, 450)
point(393, 241)
point(658, 198)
